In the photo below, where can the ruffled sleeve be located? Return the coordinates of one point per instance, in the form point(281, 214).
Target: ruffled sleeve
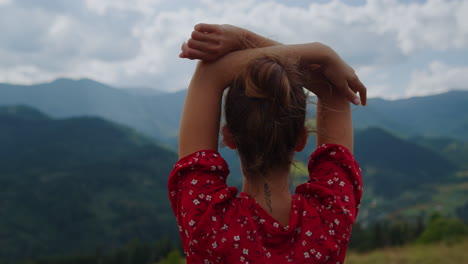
point(196, 184)
point(333, 191)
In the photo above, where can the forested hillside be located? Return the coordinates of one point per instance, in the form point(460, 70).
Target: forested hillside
point(75, 185)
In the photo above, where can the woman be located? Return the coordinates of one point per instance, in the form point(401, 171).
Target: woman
point(265, 115)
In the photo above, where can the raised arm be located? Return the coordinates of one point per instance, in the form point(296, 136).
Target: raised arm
point(201, 115)
point(334, 120)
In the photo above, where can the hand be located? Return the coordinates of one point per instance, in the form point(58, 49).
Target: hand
point(345, 80)
point(209, 42)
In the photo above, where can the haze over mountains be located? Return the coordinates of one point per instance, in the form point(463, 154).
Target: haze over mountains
point(69, 168)
point(158, 115)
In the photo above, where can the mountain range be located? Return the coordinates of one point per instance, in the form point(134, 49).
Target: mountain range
point(83, 160)
point(158, 114)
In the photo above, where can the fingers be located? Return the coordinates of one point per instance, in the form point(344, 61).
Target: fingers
point(352, 97)
point(206, 28)
point(204, 37)
point(356, 86)
point(194, 54)
point(199, 45)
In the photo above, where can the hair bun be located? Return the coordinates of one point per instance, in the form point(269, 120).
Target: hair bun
point(267, 78)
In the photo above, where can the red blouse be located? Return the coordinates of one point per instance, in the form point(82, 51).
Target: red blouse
point(217, 226)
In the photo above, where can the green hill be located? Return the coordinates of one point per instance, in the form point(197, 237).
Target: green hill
point(436, 115)
point(74, 185)
point(453, 149)
point(402, 177)
point(158, 114)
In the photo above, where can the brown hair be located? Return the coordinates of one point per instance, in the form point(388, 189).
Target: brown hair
point(265, 110)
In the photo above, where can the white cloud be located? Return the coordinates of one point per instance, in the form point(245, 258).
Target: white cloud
point(103, 7)
point(429, 25)
point(135, 43)
point(437, 78)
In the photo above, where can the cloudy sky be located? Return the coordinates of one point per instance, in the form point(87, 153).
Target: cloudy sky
point(399, 48)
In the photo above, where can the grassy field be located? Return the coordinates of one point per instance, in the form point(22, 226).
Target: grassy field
point(415, 254)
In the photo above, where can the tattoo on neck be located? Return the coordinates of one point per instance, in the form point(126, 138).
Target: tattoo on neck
point(267, 191)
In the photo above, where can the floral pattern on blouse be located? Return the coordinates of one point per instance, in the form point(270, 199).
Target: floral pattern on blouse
point(217, 226)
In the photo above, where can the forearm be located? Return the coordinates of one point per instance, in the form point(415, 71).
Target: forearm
point(334, 120)
point(199, 127)
point(229, 66)
point(253, 40)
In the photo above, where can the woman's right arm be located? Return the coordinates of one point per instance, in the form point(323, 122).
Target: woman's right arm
point(333, 115)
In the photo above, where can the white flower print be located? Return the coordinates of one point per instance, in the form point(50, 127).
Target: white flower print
point(213, 218)
point(201, 196)
point(346, 198)
point(208, 197)
point(190, 192)
point(236, 238)
point(223, 240)
point(330, 182)
point(242, 259)
point(331, 232)
point(191, 223)
point(245, 251)
point(276, 225)
point(342, 183)
point(333, 153)
point(318, 255)
point(196, 202)
point(262, 221)
point(306, 255)
point(268, 254)
point(308, 233)
point(304, 243)
point(336, 221)
point(213, 168)
point(214, 245)
point(336, 179)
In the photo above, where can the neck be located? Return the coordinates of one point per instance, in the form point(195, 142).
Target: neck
point(272, 187)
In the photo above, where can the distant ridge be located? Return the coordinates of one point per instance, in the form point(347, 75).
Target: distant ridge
point(158, 114)
point(154, 115)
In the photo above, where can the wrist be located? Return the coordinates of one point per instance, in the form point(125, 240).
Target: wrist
point(247, 39)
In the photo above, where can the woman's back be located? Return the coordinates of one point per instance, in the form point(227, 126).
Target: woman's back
point(217, 226)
